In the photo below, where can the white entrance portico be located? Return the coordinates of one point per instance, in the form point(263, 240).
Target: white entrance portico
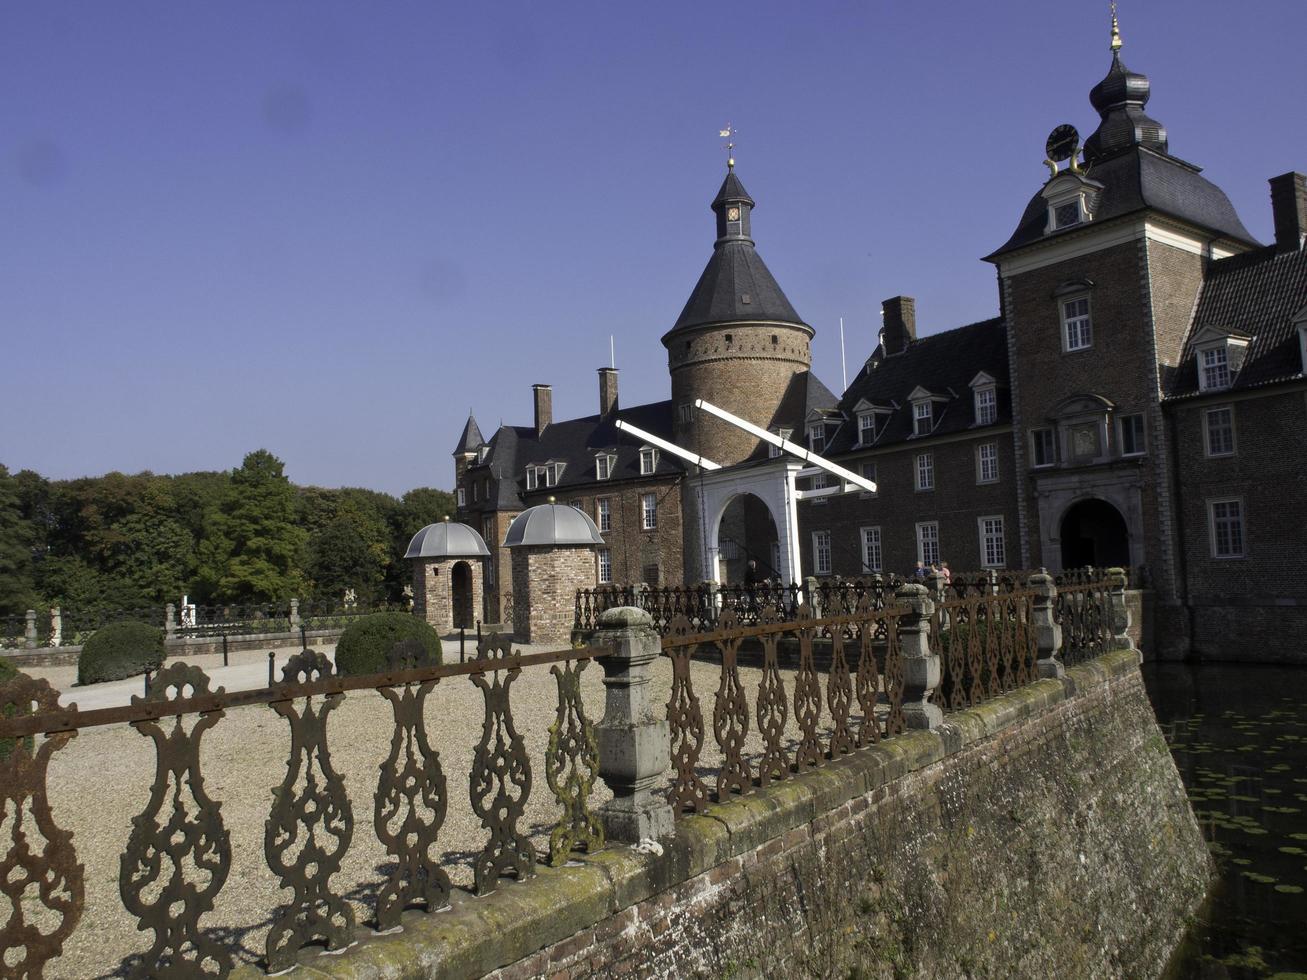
point(773, 483)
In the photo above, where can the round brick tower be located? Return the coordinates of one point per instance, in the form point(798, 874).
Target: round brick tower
point(737, 343)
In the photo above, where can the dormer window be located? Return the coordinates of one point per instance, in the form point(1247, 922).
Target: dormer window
point(1220, 355)
point(546, 475)
point(867, 428)
point(1214, 367)
point(648, 460)
point(773, 450)
point(817, 437)
point(923, 418)
point(1071, 199)
point(1065, 215)
point(482, 453)
point(604, 463)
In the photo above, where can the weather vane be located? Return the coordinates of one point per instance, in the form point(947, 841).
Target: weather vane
point(729, 133)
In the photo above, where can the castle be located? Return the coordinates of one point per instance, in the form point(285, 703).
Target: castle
point(1140, 400)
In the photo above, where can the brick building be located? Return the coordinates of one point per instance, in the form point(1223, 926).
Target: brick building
point(1140, 400)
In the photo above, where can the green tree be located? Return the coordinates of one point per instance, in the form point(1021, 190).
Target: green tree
point(253, 547)
point(16, 537)
point(351, 551)
point(415, 510)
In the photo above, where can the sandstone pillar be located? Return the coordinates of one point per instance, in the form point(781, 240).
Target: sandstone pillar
point(634, 741)
point(1048, 634)
point(921, 664)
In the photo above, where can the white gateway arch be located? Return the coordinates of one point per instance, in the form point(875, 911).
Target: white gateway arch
point(774, 482)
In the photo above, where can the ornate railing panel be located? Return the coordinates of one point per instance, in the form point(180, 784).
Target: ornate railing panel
point(795, 678)
point(1082, 610)
point(179, 856)
point(986, 645)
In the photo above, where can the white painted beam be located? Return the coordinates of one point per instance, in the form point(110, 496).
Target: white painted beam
point(670, 447)
point(807, 455)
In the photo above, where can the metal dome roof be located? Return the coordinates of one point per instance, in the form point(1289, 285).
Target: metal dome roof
point(550, 525)
point(447, 540)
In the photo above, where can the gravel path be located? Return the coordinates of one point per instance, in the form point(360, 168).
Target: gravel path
point(102, 778)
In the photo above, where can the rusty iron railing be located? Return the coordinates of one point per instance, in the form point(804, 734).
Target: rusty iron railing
point(178, 856)
point(1082, 610)
point(852, 699)
point(986, 644)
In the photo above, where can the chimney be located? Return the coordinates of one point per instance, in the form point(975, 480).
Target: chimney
point(898, 324)
point(607, 391)
point(1289, 208)
point(544, 398)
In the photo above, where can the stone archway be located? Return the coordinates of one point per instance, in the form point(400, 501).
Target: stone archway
point(1093, 532)
point(746, 530)
point(461, 599)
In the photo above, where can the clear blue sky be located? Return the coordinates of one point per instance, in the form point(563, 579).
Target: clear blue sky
point(329, 229)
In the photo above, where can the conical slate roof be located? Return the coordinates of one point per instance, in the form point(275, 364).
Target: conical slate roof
point(447, 540)
point(736, 286)
point(471, 439)
point(551, 525)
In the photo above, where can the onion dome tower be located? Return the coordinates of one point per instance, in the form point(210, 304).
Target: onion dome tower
point(738, 341)
point(1120, 99)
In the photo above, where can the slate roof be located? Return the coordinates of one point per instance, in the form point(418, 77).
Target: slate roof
point(736, 287)
point(1257, 293)
point(942, 363)
point(1133, 181)
point(471, 439)
point(731, 190)
point(576, 442)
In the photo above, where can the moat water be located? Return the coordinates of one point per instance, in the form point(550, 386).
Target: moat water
point(1239, 737)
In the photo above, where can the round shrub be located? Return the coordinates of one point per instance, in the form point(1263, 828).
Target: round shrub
point(366, 643)
point(120, 650)
point(7, 672)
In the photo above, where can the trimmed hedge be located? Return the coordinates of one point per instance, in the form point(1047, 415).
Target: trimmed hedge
point(7, 672)
point(118, 651)
point(366, 642)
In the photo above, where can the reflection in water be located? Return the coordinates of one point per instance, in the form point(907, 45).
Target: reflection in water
point(1239, 738)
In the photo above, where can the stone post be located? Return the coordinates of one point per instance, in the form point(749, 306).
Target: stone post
point(169, 621)
point(634, 741)
point(1048, 634)
point(56, 626)
point(1118, 614)
point(294, 615)
point(921, 665)
point(936, 585)
point(812, 595)
point(29, 633)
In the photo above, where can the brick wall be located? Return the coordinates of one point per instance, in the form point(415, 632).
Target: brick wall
point(1141, 302)
point(1257, 602)
point(545, 581)
point(746, 376)
point(634, 550)
point(957, 502)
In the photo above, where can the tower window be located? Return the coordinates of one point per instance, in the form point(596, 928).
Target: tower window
point(1077, 333)
point(775, 339)
point(728, 338)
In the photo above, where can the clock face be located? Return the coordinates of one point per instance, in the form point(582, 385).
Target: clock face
point(733, 213)
point(1062, 143)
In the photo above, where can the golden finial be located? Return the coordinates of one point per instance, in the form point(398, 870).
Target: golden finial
point(1116, 30)
point(729, 135)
